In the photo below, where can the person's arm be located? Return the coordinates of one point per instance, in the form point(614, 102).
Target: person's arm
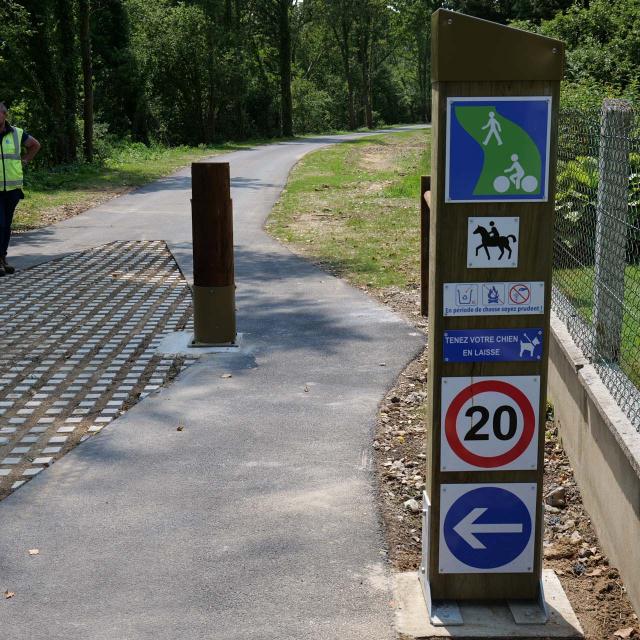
point(32, 146)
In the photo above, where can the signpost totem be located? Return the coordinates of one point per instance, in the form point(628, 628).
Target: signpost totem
point(495, 104)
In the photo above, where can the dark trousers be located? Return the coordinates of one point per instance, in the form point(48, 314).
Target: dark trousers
point(8, 203)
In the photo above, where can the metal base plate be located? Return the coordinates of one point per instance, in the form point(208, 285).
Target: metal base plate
point(182, 343)
point(441, 612)
point(227, 346)
point(530, 611)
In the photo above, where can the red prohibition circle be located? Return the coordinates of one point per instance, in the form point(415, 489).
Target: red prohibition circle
point(525, 299)
point(489, 462)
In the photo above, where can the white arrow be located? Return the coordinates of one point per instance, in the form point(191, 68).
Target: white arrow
point(467, 528)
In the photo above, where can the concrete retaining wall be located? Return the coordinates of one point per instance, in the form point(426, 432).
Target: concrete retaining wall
point(604, 450)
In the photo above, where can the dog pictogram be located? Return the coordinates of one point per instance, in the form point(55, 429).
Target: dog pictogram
point(530, 346)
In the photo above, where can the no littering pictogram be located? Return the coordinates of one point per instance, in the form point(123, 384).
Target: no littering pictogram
point(519, 293)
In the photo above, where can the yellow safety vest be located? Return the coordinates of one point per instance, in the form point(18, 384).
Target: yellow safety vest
point(11, 176)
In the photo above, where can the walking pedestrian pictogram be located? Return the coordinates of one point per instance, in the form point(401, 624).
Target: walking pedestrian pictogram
point(494, 129)
point(497, 149)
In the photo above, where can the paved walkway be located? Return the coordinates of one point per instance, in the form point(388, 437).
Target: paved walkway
point(257, 520)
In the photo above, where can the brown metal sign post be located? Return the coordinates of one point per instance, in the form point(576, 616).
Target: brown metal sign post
point(495, 105)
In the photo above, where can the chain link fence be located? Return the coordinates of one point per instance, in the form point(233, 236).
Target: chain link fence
point(596, 270)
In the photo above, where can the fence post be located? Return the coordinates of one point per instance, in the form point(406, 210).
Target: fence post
point(425, 221)
point(611, 227)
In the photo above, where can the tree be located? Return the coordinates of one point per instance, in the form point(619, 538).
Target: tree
point(415, 28)
point(374, 21)
point(274, 19)
point(67, 64)
point(340, 19)
point(87, 77)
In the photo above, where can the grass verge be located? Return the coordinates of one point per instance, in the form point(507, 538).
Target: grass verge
point(354, 208)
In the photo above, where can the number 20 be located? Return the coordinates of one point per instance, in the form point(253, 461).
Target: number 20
point(474, 431)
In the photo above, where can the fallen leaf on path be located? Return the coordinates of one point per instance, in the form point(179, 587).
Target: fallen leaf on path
point(8, 594)
point(226, 375)
point(180, 428)
point(34, 552)
point(624, 633)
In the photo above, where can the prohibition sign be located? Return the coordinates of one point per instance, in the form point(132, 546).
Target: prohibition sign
point(496, 386)
point(519, 293)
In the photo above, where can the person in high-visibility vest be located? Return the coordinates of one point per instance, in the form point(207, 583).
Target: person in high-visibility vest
point(12, 139)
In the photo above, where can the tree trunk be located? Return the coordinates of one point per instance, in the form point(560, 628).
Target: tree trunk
point(364, 53)
point(346, 60)
point(343, 38)
point(68, 71)
point(366, 82)
point(423, 71)
point(87, 78)
point(352, 106)
point(285, 68)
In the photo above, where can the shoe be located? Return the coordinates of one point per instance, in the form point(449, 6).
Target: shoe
point(8, 269)
point(2, 271)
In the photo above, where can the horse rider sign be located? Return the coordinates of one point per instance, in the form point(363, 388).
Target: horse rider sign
point(493, 242)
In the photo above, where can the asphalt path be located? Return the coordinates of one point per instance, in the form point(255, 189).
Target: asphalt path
point(258, 520)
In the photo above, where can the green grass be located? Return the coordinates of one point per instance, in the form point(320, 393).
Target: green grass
point(73, 188)
point(354, 208)
point(577, 285)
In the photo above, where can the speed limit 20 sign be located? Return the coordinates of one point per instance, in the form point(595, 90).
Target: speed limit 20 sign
point(490, 423)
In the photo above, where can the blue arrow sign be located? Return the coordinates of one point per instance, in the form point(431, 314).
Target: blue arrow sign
point(492, 345)
point(487, 527)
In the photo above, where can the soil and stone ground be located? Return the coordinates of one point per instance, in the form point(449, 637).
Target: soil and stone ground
point(571, 546)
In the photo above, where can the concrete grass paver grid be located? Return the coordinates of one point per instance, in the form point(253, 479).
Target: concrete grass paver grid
point(78, 348)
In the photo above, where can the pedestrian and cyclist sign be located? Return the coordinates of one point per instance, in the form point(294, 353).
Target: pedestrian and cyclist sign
point(498, 149)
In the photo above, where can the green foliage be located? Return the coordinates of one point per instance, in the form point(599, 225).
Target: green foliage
point(577, 189)
point(508, 11)
point(577, 186)
point(199, 71)
point(311, 107)
point(603, 41)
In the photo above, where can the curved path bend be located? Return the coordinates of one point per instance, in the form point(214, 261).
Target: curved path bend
point(257, 521)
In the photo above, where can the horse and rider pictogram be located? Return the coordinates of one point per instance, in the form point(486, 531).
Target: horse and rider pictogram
point(498, 240)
